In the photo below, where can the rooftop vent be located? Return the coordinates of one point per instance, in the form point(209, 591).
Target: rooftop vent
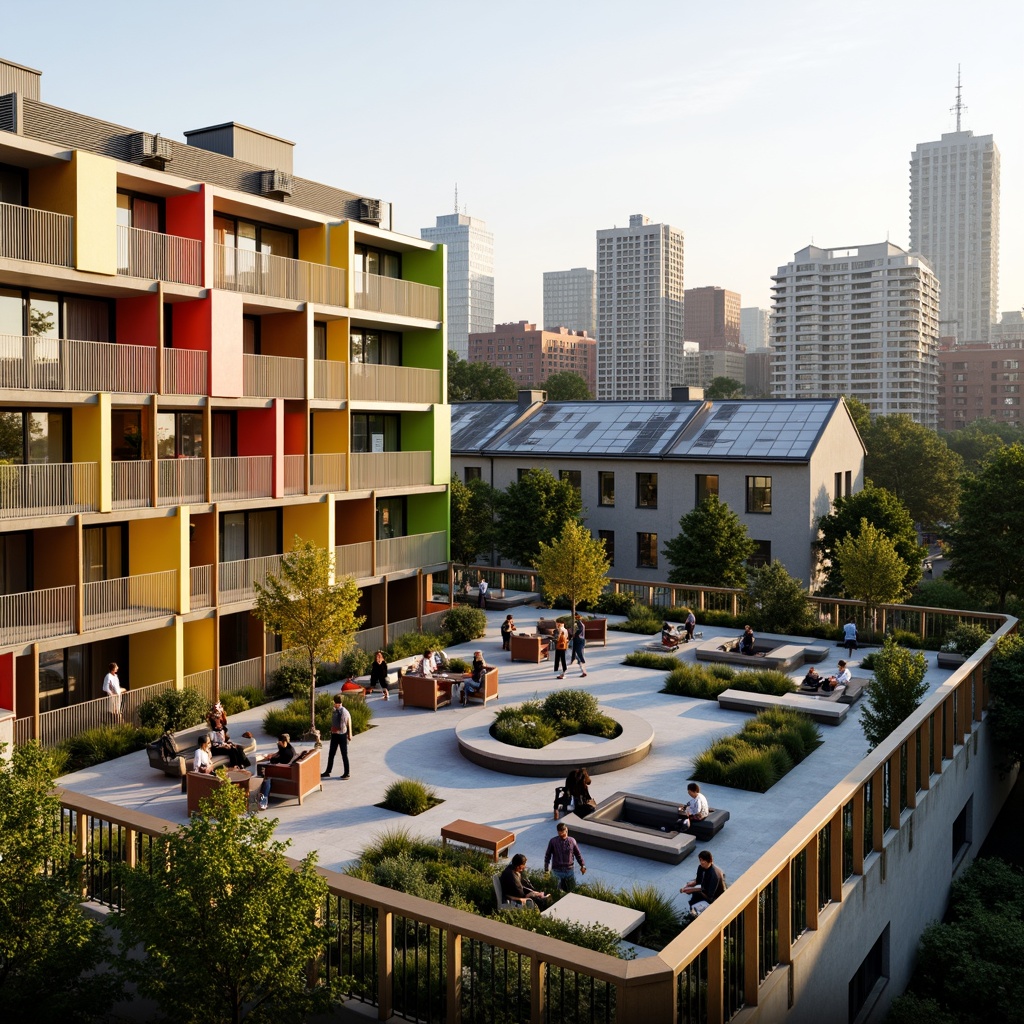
point(151, 150)
point(276, 184)
point(369, 211)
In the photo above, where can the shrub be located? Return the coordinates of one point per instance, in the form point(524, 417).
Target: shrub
point(404, 874)
point(601, 725)
point(410, 644)
point(458, 665)
point(868, 661)
point(293, 718)
point(290, 680)
point(966, 638)
point(389, 843)
point(355, 663)
point(641, 620)
point(105, 743)
point(598, 937)
point(409, 796)
point(615, 604)
point(570, 703)
point(174, 710)
point(464, 623)
point(904, 638)
point(898, 688)
point(689, 680)
point(753, 770)
point(648, 659)
point(252, 695)
point(527, 731)
point(233, 703)
point(766, 680)
point(717, 618)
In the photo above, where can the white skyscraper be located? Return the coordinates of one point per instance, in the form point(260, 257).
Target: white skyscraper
point(954, 223)
point(754, 324)
point(470, 276)
point(570, 300)
point(861, 322)
point(639, 310)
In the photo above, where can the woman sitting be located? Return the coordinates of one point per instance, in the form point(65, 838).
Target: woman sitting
point(220, 744)
point(670, 635)
point(475, 682)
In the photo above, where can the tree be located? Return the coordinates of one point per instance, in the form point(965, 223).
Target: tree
point(723, 387)
point(49, 949)
point(898, 688)
point(478, 382)
point(712, 547)
point(860, 414)
point(533, 511)
point(472, 515)
point(1006, 712)
point(872, 569)
point(985, 551)
point(778, 602)
point(229, 926)
point(980, 439)
point(882, 509)
point(916, 465)
point(574, 566)
point(309, 612)
point(566, 386)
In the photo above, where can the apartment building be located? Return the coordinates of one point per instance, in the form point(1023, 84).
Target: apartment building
point(861, 321)
point(202, 356)
point(702, 366)
point(980, 382)
point(531, 356)
point(570, 300)
point(713, 318)
point(755, 324)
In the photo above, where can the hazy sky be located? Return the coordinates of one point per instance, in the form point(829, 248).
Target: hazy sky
point(755, 127)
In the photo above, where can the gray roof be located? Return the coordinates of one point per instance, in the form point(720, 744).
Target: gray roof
point(783, 429)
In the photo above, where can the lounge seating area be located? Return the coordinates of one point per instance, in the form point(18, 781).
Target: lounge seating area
point(184, 744)
point(297, 779)
point(594, 630)
point(424, 692)
point(767, 654)
point(830, 712)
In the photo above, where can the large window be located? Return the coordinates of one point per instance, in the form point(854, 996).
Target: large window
point(472, 473)
point(608, 536)
point(135, 211)
point(707, 484)
point(375, 432)
point(759, 494)
point(379, 347)
point(125, 434)
point(647, 550)
point(252, 534)
point(40, 315)
point(377, 261)
point(34, 436)
point(251, 236)
point(573, 476)
point(391, 518)
point(179, 435)
point(647, 490)
point(762, 554)
point(15, 563)
point(104, 552)
point(606, 489)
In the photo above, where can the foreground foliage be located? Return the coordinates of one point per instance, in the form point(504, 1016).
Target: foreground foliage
point(1006, 712)
point(898, 688)
point(707, 682)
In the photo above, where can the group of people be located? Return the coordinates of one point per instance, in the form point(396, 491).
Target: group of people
point(673, 636)
point(561, 857)
point(218, 741)
point(814, 680)
point(577, 643)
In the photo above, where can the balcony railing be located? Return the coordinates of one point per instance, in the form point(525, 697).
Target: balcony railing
point(130, 599)
point(54, 489)
point(378, 383)
point(380, 294)
point(295, 474)
point(329, 379)
point(241, 674)
point(390, 469)
point(273, 376)
point(181, 481)
point(36, 235)
point(201, 587)
point(203, 682)
point(235, 579)
point(239, 477)
point(36, 614)
point(255, 273)
point(57, 364)
point(131, 484)
point(418, 549)
point(327, 473)
point(184, 371)
point(159, 257)
point(354, 560)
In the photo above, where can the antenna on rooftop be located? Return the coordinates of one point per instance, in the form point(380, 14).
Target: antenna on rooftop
point(456, 197)
point(958, 108)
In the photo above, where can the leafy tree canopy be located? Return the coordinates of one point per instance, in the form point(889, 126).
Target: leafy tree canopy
point(980, 439)
point(533, 511)
point(573, 566)
point(1006, 712)
point(777, 602)
point(916, 465)
point(472, 512)
point(898, 688)
point(712, 547)
point(872, 569)
point(724, 387)
point(860, 414)
point(566, 386)
point(478, 382)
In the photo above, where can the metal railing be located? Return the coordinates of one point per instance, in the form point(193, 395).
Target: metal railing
point(159, 257)
point(184, 371)
point(327, 472)
point(36, 235)
point(295, 474)
point(273, 376)
point(235, 579)
point(61, 488)
point(372, 382)
point(254, 273)
point(246, 476)
point(390, 469)
point(130, 484)
point(402, 298)
point(181, 481)
point(200, 587)
point(241, 674)
point(411, 552)
point(329, 379)
point(204, 682)
point(127, 599)
point(35, 614)
point(354, 560)
point(59, 364)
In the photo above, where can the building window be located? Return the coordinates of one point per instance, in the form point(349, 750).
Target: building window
point(759, 494)
point(870, 977)
point(375, 432)
point(179, 435)
point(573, 476)
point(391, 518)
point(254, 534)
point(762, 554)
point(472, 473)
point(606, 489)
point(963, 831)
point(253, 237)
point(707, 484)
point(382, 348)
point(647, 550)
point(848, 482)
point(379, 262)
point(608, 536)
point(837, 490)
point(647, 490)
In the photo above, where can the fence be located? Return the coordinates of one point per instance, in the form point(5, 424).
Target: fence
point(419, 549)
point(241, 674)
point(181, 481)
point(58, 364)
point(200, 587)
point(204, 682)
point(184, 371)
point(130, 599)
point(255, 273)
point(390, 469)
point(235, 579)
point(295, 474)
point(48, 489)
point(391, 295)
point(373, 382)
point(240, 477)
point(354, 560)
point(327, 472)
point(130, 484)
point(36, 614)
point(273, 376)
point(329, 379)
point(36, 235)
point(159, 257)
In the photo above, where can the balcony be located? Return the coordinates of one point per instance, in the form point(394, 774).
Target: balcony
point(327, 473)
point(295, 474)
point(238, 478)
point(273, 376)
point(38, 236)
point(373, 382)
point(181, 481)
point(116, 602)
point(36, 614)
point(184, 371)
point(130, 484)
point(391, 469)
point(255, 273)
point(56, 364)
point(329, 379)
point(52, 489)
point(158, 257)
point(235, 579)
point(378, 294)
point(200, 587)
point(412, 552)
point(354, 560)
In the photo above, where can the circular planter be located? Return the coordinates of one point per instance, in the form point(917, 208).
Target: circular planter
point(554, 761)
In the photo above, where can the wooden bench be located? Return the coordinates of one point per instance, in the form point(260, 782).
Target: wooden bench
point(829, 712)
point(484, 837)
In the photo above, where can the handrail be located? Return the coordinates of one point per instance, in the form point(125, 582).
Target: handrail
point(39, 236)
point(63, 364)
point(159, 257)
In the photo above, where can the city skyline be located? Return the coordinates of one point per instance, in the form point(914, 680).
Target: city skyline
point(635, 132)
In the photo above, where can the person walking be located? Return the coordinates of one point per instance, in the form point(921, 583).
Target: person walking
point(561, 852)
point(508, 627)
point(112, 688)
point(561, 646)
point(850, 637)
point(482, 598)
point(341, 733)
point(579, 642)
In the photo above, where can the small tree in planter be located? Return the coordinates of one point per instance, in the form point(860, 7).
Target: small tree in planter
point(898, 688)
point(573, 566)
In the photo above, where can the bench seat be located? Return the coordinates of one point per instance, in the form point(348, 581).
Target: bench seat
point(829, 712)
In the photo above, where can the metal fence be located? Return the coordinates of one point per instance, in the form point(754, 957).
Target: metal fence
point(159, 257)
point(38, 236)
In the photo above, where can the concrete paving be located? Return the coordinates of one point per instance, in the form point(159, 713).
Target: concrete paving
point(420, 744)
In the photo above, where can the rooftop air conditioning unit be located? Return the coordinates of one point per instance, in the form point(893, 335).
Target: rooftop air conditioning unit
point(369, 211)
point(276, 184)
point(151, 150)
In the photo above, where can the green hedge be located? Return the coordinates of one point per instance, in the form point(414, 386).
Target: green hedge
point(534, 724)
point(294, 717)
point(105, 743)
point(707, 682)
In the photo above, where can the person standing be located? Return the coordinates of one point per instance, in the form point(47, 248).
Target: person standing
point(379, 674)
point(341, 733)
point(508, 627)
point(561, 646)
point(850, 637)
point(561, 852)
point(579, 642)
point(482, 599)
point(112, 688)
point(690, 625)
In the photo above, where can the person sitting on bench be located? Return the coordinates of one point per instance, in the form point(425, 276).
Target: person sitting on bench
point(695, 809)
point(840, 679)
point(747, 641)
point(670, 635)
point(812, 680)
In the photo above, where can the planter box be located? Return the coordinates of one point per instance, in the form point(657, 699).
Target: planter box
point(949, 659)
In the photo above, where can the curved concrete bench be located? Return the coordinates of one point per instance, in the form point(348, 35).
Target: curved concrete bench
point(829, 712)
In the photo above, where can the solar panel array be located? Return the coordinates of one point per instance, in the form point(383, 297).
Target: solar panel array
point(759, 430)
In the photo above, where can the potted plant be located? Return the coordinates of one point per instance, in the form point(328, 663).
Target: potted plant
point(961, 643)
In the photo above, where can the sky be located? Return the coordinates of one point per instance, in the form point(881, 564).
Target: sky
point(757, 128)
